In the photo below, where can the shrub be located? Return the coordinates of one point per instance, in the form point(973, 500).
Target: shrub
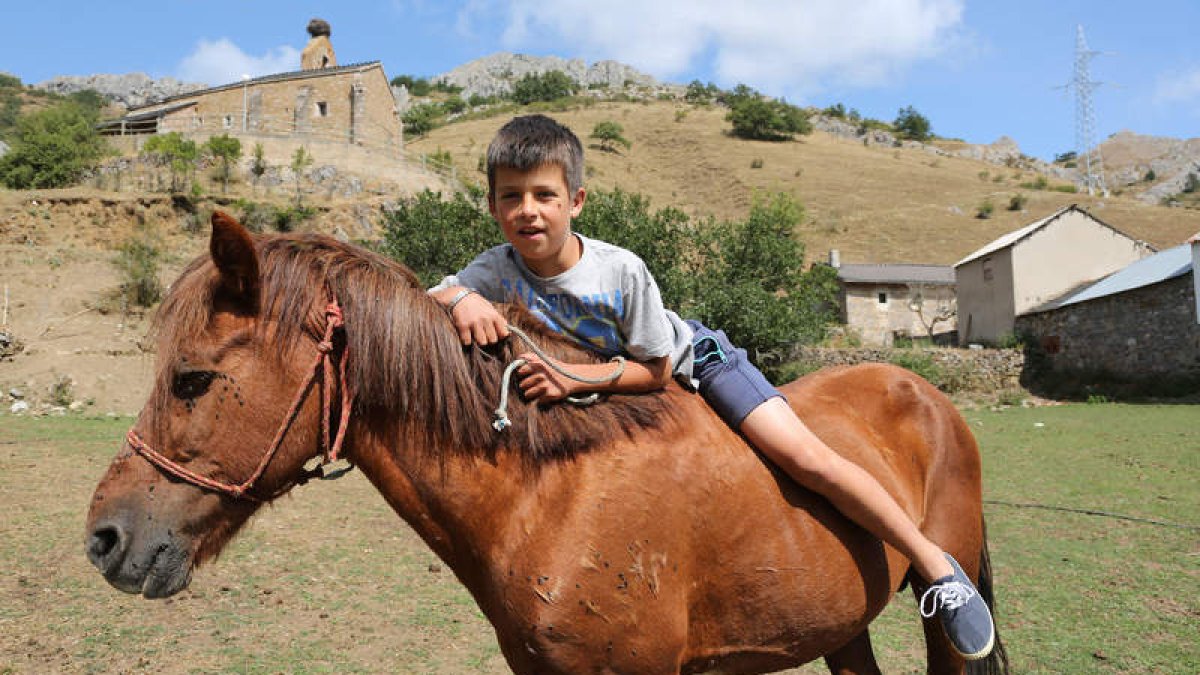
point(176, 152)
point(439, 160)
point(609, 135)
point(52, 148)
point(1191, 184)
point(62, 391)
point(1150, 176)
point(258, 163)
point(137, 262)
point(421, 119)
point(984, 210)
point(548, 86)
point(1017, 202)
point(919, 362)
point(10, 81)
point(699, 93)
point(837, 111)
point(756, 163)
point(757, 119)
point(912, 125)
point(1039, 183)
point(301, 160)
point(681, 114)
point(226, 150)
point(436, 236)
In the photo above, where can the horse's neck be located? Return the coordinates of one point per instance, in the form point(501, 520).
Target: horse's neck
point(462, 505)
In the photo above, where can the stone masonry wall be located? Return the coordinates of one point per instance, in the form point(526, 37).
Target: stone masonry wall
point(1144, 335)
point(979, 370)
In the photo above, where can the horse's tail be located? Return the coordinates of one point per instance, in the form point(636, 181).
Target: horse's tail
point(995, 663)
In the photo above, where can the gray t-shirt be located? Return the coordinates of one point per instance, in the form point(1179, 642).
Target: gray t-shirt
point(608, 302)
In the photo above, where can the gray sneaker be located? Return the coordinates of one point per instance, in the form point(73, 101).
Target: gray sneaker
point(964, 615)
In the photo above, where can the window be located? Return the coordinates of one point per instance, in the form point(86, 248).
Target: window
point(987, 269)
point(322, 109)
point(227, 122)
point(883, 298)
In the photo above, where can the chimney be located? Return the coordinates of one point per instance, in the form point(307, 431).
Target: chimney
point(318, 53)
point(835, 258)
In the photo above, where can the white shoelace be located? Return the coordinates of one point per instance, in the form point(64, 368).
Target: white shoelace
point(951, 595)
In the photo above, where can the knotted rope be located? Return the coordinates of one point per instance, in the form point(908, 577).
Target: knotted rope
point(502, 422)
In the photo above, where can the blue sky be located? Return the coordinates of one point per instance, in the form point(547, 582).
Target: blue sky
point(978, 70)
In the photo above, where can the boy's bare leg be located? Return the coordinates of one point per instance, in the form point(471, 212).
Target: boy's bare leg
point(779, 434)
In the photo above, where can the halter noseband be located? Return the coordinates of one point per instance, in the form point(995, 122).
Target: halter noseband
point(324, 365)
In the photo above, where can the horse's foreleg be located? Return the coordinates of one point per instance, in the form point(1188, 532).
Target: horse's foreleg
point(854, 658)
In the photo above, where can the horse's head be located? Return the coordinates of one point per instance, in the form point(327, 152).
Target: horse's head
point(198, 462)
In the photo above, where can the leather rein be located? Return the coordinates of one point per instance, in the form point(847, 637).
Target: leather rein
point(322, 365)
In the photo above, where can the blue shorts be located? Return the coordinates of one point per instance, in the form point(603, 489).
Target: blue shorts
point(730, 384)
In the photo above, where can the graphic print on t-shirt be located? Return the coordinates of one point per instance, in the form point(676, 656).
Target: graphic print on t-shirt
point(593, 320)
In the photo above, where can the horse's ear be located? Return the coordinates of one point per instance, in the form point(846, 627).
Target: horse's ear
point(232, 251)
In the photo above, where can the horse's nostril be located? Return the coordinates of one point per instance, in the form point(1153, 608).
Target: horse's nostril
point(102, 542)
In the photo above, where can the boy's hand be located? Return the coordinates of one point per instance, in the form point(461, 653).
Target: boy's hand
point(541, 383)
point(478, 322)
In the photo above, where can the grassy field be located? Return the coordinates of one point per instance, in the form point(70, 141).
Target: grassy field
point(329, 580)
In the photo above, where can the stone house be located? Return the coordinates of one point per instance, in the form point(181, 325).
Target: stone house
point(1031, 266)
point(1139, 326)
point(883, 302)
point(350, 104)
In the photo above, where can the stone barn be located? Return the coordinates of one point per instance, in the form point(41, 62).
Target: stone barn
point(1137, 328)
point(883, 302)
point(321, 102)
point(1031, 266)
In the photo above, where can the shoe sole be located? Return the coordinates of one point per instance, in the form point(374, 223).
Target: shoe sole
point(981, 654)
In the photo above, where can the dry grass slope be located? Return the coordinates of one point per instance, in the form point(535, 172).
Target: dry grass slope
point(875, 204)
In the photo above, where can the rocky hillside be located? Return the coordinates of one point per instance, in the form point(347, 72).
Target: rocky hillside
point(1129, 158)
point(129, 90)
point(494, 75)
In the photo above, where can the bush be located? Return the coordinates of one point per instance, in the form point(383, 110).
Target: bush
point(1017, 202)
point(176, 152)
point(226, 150)
point(984, 211)
point(421, 119)
point(52, 148)
point(757, 119)
point(1191, 184)
point(700, 93)
point(1040, 183)
point(609, 135)
point(137, 262)
point(436, 236)
point(10, 81)
point(912, 125)
point(549, 86)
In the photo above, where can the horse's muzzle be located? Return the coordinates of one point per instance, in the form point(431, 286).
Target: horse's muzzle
point(156, 564)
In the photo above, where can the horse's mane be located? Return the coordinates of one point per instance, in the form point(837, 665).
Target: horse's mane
point(406, 365)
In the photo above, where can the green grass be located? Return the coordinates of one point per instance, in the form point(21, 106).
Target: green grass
point(329, 580)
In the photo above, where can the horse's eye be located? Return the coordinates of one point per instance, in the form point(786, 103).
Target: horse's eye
point(192, 384)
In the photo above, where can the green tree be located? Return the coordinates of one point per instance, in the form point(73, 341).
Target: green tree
point(609, 134)
point(175, 152)
point(549, 86)
point(301, 160)
point(436, 236)
point(754, 286)
point(52, 148)
point(421, 119)
point(258, 164)
point(699, 93)
point(912, 125)
point(758, 119)
point(662, 238)
point(227, 150)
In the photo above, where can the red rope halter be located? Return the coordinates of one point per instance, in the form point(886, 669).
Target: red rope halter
point(324, 365)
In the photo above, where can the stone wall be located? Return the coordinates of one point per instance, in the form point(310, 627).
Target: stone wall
point(1145, 337)
point(973, 370)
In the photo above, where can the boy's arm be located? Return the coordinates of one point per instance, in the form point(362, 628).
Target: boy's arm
point(542, 383)
point(474, 317)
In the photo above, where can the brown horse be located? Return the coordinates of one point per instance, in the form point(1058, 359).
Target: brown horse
point(638, 535)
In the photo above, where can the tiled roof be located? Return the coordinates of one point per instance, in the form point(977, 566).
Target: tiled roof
point(275, 77)
point(896, 273)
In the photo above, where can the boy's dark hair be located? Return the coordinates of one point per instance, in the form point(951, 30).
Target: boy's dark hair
point(527, 142)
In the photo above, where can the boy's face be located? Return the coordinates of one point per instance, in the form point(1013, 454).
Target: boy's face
point(534, 209)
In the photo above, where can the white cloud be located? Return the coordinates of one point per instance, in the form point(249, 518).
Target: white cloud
point(792, 47)
point(1178, 87)
point(221, 62)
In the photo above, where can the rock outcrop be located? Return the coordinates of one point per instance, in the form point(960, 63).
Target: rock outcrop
point(130, 90)
point(494, 75)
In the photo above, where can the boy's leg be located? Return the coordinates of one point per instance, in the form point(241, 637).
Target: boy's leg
point(778, 433)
